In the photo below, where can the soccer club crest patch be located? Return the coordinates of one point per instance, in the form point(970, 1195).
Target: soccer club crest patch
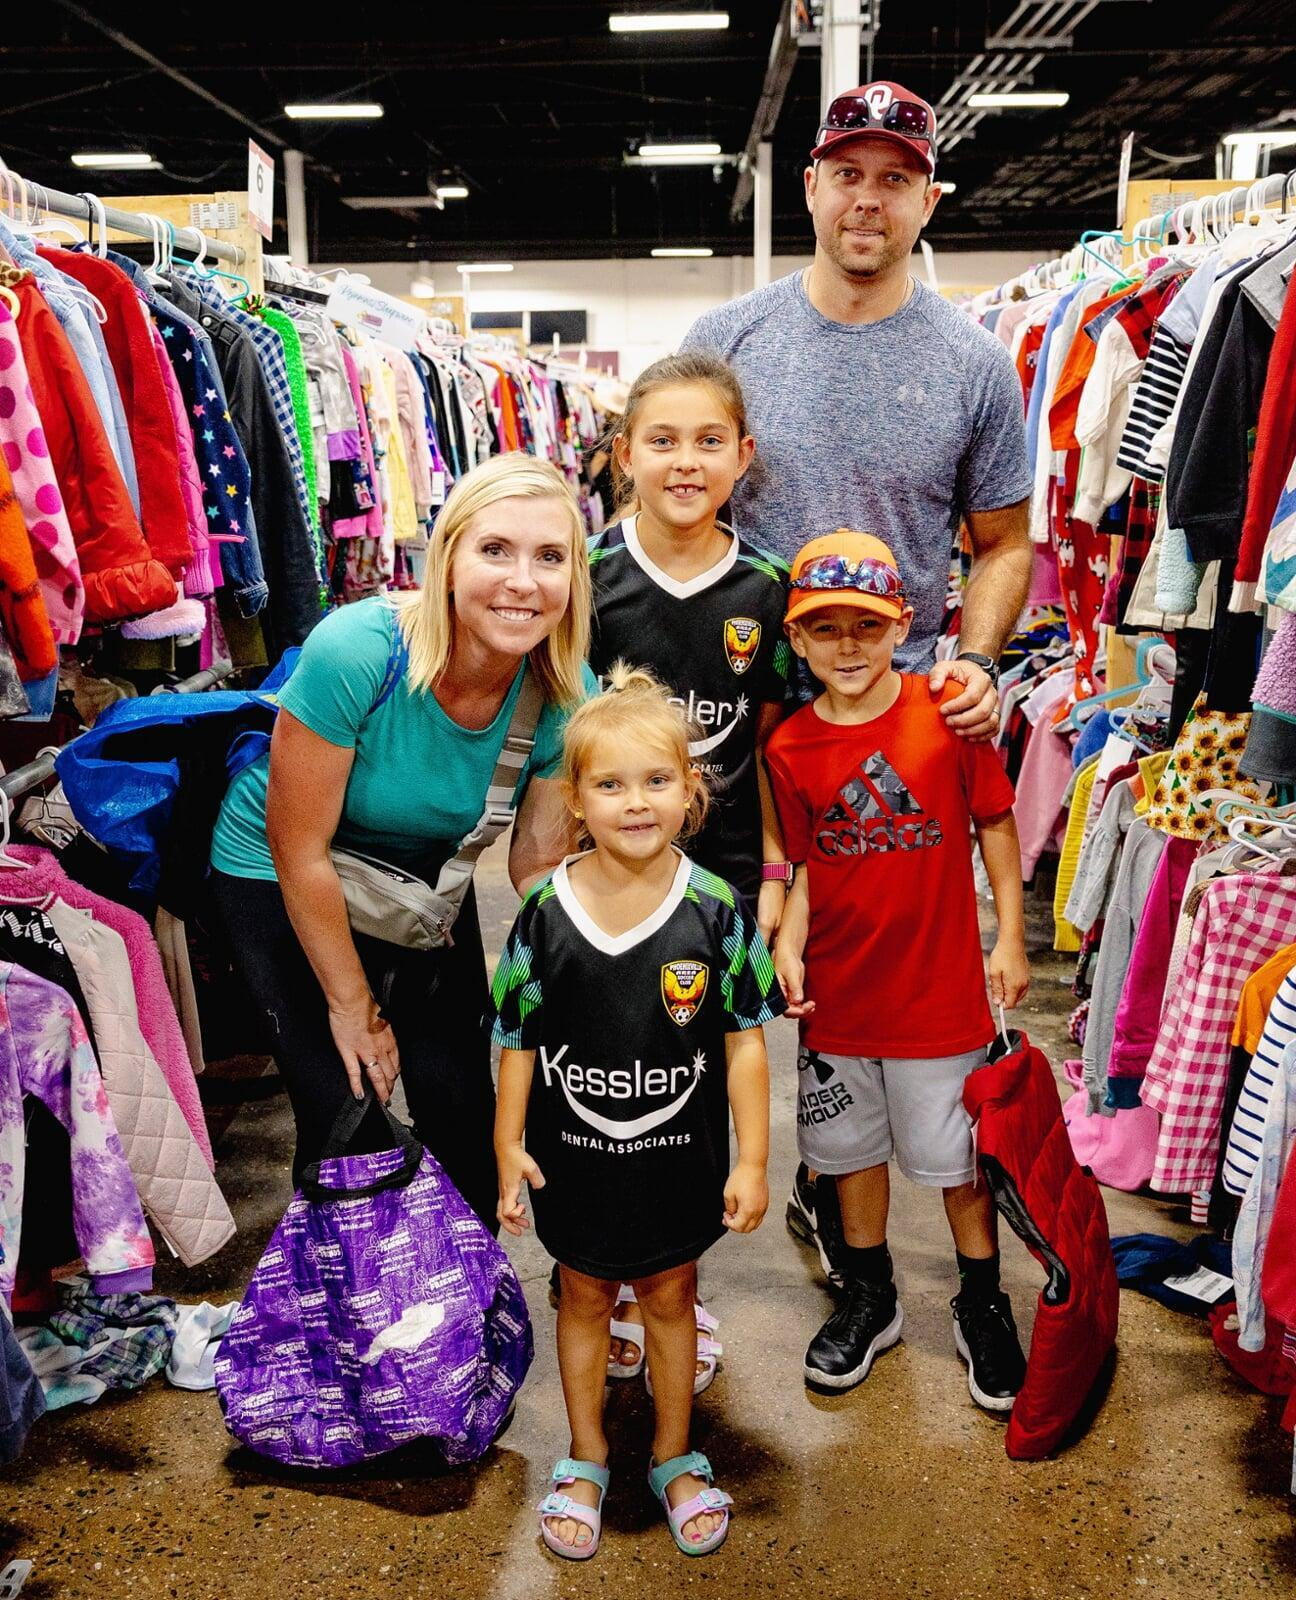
point(683, 984)
point(742, 636)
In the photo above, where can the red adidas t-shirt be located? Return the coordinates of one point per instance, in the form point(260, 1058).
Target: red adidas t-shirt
point(881, 814)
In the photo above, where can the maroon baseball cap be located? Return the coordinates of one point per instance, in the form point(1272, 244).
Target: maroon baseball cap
point(880, 110)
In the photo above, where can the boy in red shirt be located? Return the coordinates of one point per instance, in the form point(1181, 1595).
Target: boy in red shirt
point(879, 952)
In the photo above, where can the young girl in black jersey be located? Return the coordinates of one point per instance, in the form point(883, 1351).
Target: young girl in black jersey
point(678, 591)
point(630, 999)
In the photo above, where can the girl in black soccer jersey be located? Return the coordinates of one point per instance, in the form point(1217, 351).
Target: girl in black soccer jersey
point(630, 999)
point(679, 592)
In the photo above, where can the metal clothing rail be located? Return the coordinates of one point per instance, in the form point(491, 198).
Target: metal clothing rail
point(25, 778)
point(56, 203)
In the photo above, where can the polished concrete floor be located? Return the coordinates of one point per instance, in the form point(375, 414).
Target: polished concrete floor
point(1178, 1491)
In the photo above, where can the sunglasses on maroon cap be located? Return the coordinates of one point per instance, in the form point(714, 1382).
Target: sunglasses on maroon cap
point(910, 118)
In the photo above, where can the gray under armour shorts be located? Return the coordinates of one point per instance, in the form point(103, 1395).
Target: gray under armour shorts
point(858, 1111)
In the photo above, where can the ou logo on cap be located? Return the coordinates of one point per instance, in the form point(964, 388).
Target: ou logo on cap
point(878, 97)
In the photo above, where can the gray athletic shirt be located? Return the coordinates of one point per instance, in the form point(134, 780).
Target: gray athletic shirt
point(896, 427)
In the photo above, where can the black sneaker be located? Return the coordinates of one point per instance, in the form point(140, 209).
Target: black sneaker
point(867, 1321)
point(814, 1218)
point(985, 1335)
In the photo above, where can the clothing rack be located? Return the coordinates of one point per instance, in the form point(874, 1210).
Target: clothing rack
point(1217, 210)
point(295, 291)
point(93, 211)
point(30, 776)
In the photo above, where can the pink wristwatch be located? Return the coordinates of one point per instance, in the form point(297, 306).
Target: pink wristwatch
point(778, 872)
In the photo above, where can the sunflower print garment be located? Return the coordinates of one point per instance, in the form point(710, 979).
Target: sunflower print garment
point(1205, 757)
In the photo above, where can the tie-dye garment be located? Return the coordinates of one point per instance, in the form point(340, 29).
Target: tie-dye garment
point(45, 1052)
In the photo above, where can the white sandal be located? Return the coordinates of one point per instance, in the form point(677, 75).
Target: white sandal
point(709, 1351)
point(628, 1333)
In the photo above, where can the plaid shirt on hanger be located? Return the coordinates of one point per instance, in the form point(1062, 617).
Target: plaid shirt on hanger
point(1241, 922)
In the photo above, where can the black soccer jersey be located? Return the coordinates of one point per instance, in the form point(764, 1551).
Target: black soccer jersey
point(718, 642)
point(629, 1112)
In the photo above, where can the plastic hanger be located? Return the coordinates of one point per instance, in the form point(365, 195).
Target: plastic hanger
point(1142, 680)
point(6, 860)
point(97, 217)
point(205, 272)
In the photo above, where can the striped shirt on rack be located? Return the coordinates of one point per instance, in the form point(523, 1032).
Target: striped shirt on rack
point(1154, 397)
point(1247, 1133)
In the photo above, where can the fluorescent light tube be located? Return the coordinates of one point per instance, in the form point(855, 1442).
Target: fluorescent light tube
point(116, 161)
point(945, 186)
point(683, 250)
point(393, 202)
point(1275, 138)
point(474, 267)
point(671, 152)
point(667, 21)
point(1018, 97)
point(452, 191)
point(353, 110)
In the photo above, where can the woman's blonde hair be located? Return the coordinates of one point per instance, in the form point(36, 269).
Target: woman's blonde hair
point(426, 616)
point(636, 706)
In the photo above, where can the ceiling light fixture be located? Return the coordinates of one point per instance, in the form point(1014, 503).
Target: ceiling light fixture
point(452, 191)
point(1276, 138)
point(474, 267)
point(394, 202)
point(668, 251)
point(342, 111)
point(945, 186)
point(1245, 148)
point(667, 21)
point(671, 152)
point(116, 161)
point(1010, 98)
point(680, 161)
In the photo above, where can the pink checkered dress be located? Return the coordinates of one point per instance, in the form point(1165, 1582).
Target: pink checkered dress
point(1241, 922)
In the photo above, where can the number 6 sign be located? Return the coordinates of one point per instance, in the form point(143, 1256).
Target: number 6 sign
point(260, 202)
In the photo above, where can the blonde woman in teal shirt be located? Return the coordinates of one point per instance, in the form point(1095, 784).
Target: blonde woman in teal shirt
point(404, 778)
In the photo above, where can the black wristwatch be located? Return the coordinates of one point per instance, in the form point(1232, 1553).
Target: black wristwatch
point(987, 664)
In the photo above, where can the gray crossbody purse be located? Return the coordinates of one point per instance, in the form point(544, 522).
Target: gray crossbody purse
point(388, 903)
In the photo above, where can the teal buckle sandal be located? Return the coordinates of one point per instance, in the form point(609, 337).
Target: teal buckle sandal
point(562, 1505)
point(710, 1499)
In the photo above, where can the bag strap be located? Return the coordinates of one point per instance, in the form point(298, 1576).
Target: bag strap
point(345, 1127)
point(397, 660)
point(455, 876)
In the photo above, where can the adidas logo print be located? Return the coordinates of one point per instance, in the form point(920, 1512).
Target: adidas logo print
point(875, 812)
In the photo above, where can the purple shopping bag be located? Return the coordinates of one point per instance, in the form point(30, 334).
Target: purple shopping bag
point(382, 1311)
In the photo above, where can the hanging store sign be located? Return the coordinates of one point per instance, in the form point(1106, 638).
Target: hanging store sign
point(1122, 185)
point(261, 176)
point(382, 315)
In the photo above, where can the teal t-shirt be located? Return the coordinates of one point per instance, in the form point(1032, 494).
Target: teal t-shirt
point(419, 780)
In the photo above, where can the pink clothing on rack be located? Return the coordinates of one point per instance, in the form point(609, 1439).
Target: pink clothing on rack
point(369, 524)
point(1241, 922)
point(157, 1015)
point(26, 453)
point(1045, 773)
point(1138, 1012)
point(1046, 586)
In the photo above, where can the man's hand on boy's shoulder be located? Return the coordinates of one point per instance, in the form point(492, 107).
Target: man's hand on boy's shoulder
point(974, 712)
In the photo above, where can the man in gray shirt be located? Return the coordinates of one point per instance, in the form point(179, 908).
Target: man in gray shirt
point(877, 405)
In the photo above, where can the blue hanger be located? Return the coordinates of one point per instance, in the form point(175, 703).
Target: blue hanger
point(209, 272)
point(1142, 678)
point(1126, 244)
